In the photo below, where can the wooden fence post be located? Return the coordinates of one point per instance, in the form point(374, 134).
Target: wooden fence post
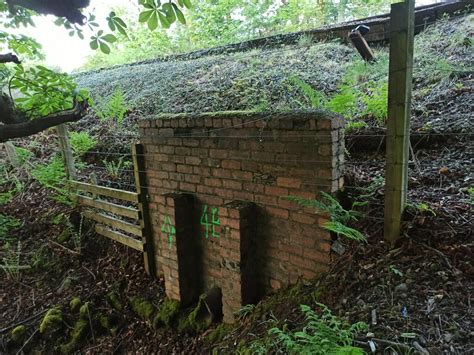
point(66, 151)
point(142, 190)
point(402, 20)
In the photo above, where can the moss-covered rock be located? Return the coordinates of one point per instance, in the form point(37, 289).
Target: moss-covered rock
point(78, 333)
point(75, 304)
point(113, 299)
point(109, 323)
point(18, 334)
point(198, 320)
point(85, 310)
point(218, 333)
point(167, 313)
point(52, 321)
point(142, 307)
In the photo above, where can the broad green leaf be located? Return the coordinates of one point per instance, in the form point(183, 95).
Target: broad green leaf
point(153, 21)
point(169, 12)
point(94, 44)
point(120, 22)
point(111, 24)
point(104, 47)
point(187, 3)
point(163, 20)
point(145, 15)
point(179, 14)
point(109, 38)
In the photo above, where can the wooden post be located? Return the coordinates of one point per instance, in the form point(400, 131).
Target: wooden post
point(398, 124)
point(66, 151)
point(142, 190)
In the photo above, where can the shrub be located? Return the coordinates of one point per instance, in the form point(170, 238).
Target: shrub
point(81, 142)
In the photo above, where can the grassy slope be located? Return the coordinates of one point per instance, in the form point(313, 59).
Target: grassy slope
point(259, 80)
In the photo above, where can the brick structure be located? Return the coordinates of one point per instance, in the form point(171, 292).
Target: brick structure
point(217, 185)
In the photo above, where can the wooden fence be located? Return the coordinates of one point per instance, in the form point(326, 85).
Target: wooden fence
point(117, 211)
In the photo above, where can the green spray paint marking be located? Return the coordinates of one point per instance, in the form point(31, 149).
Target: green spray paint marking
point(215, 221)
point(169, 229)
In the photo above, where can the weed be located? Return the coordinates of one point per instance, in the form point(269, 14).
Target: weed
point(77, 236)
point(262, 106)
point(6, 224)
point(42, 258)
point(113, 168)
point(23, 155)
point(470, 192)
point(322, 334)
point(376, 103)
point(420, 208)
point(316, 99)
point(53, 176)
point(245, 311)
point(81, 142)
point(343, 103)
point(305, 40)
point(394, 270)
point(365, 194)
point(354, 125)
point(339, 216)
point(6, 197)
point(114, 109)
point(11, 260)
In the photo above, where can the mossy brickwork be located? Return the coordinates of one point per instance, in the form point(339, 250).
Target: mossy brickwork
point(217, 183)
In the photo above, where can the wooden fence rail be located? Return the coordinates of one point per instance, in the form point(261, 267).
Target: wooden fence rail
point(109, 215)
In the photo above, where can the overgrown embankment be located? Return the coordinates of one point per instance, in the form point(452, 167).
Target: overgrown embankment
point(418, 288)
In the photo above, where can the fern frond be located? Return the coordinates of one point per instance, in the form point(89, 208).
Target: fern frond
point(341, 229)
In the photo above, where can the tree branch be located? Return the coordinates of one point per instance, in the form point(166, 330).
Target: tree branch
point(69, 9)
point(10, 131)
point(9, 58)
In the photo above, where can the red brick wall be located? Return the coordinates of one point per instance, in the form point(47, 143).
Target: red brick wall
point(225, 223)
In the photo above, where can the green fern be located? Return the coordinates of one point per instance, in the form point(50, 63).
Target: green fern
point(81, 142)
point(339, 217)
point(376, 103)
point(341, 229)
point(11, 260)
point(321, 334)
point(344, 103)
point(114, 109)
point(316, 98)
point(7, 223)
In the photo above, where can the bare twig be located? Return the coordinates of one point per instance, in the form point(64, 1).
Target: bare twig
point(64, 248)
point(3, 330)
point(27, 341)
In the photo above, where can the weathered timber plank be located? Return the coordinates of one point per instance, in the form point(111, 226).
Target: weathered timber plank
point(402, 24)
point(109, 207)
point(138, 152)
point(119, 237)
point(114, 222)
point(106, 191)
